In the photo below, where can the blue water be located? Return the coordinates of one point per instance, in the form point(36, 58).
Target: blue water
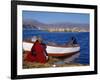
point(64, 37)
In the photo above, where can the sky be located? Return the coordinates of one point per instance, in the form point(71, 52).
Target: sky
point(56, 17)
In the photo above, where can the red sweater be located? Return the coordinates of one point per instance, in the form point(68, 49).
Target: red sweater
point(40, 53)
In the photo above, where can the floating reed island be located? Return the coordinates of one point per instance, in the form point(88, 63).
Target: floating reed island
point(52, 62)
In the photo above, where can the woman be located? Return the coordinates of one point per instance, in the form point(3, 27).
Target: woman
point(38, 52)
point(72, 42)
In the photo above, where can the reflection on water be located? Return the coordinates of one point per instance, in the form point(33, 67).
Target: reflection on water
point(72, 58)
point(68, 60)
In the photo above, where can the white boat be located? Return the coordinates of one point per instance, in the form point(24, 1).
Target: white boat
point(55, 50)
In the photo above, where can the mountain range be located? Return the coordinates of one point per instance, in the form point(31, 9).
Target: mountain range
point(34, 24)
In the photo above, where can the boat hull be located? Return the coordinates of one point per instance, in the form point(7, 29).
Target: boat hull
point(63, 54)
point(57, 51)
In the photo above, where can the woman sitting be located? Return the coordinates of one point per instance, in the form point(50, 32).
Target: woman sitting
point(38, 52)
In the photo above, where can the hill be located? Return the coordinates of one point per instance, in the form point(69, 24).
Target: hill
point(62, 26)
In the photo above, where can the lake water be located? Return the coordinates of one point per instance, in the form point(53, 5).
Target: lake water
point(64, 37)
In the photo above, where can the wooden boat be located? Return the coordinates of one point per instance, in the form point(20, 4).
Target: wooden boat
point(55, 50)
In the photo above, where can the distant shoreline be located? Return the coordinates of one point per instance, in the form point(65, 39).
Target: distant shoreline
point(56, 31)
